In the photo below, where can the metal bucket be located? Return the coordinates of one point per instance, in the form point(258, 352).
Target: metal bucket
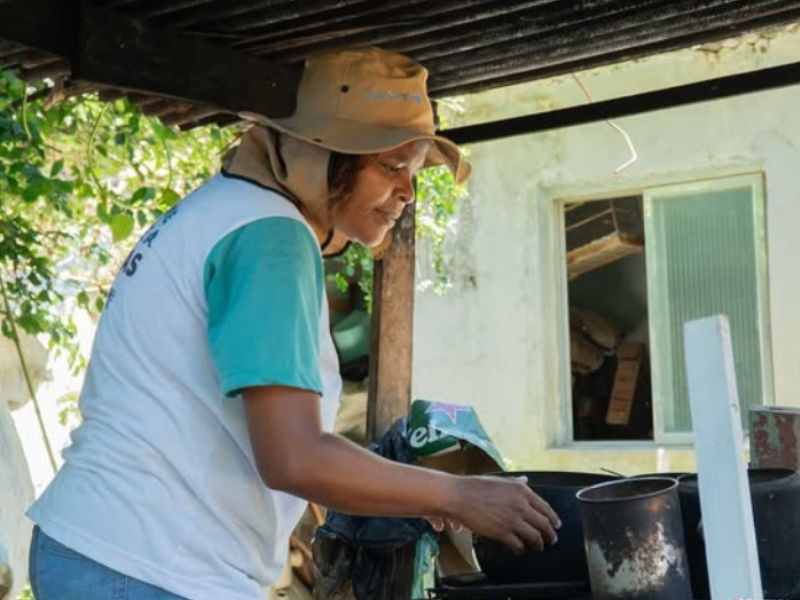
point(633, 536)
point(775, 494)
point(565, 561)
point(774, 435)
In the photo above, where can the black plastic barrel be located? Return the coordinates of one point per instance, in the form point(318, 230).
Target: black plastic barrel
point(775, 494)
point(633, 536)
point(565, 561)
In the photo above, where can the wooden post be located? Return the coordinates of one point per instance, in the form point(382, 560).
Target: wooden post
point(724, 490)
point(392, 330)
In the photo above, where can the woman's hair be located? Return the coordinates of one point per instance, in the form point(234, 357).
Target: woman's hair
point(342, 171)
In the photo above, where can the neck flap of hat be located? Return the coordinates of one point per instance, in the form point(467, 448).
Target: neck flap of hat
point(284, 163)
point(291, 166)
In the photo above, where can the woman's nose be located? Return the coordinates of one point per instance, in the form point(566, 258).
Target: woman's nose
point(406, 189)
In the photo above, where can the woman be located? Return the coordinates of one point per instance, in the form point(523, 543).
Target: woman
point(213, 382)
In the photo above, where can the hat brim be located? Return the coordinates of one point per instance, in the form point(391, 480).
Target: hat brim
point(351, 137)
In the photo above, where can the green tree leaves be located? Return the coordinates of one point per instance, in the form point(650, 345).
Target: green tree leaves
point(78, 181)
point(437, 200)
point(121, 226)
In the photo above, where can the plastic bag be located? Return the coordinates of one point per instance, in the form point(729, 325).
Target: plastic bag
point(369, 557)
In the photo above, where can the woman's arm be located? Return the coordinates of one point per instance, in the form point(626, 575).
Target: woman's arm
point(294, 455)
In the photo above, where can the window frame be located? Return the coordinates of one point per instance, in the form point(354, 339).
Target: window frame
point(658, 303)
point(649, 190)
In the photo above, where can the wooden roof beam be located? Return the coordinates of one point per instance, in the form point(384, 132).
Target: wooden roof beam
point(48, 25)
point(125, 52)
point(672, 97)
point(106, 48)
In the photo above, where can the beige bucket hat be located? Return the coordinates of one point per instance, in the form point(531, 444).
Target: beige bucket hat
point(365, 101)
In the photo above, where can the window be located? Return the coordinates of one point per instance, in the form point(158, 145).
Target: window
point(639, 266)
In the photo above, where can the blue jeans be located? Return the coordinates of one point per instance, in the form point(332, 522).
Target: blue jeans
point(59, 573)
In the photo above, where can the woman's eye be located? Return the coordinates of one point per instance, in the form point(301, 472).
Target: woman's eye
point(392, 168)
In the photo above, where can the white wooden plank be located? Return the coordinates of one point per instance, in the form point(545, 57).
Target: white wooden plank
point(724, 491)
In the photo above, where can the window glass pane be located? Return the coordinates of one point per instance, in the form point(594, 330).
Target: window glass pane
point(706, 258)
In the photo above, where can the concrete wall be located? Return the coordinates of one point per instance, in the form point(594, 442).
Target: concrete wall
point(493, 340)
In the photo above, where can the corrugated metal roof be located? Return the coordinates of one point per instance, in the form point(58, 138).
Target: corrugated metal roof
point(468, 45)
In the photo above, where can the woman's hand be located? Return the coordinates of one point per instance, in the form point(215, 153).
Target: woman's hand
point(294, 455)
point(506, 510)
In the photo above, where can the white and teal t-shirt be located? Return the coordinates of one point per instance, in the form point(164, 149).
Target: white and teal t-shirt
point(225, 291)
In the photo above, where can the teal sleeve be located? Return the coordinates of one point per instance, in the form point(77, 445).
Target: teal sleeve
point(264, 287)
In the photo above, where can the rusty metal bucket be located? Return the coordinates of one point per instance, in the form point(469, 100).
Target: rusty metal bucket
point(775, 437)
point(633, 536)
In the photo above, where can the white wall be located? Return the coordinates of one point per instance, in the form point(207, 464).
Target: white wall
point(492, 340)
point(16, 488)
point(16, 494)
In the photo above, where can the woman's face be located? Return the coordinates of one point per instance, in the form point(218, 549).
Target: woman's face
point(381, 191)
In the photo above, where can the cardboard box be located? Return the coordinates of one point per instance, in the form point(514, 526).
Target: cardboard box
point(455, 547)
point(623, 392)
